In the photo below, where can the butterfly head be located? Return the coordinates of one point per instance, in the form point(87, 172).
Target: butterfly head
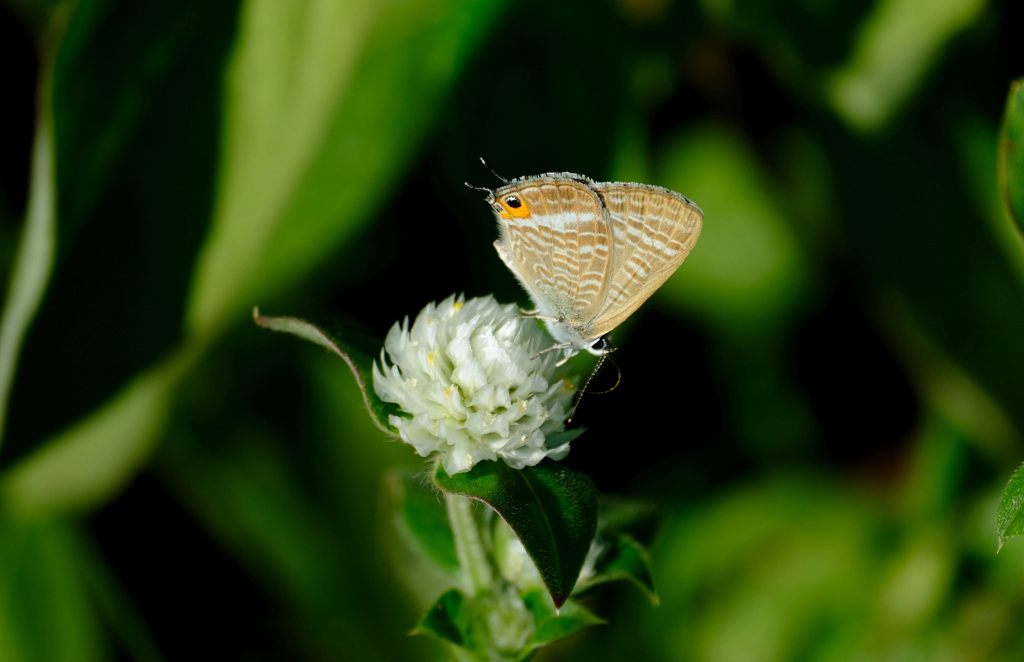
point(511, 205)
point(506, 204)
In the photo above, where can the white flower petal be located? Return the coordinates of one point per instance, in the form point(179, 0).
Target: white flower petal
point(470, 375)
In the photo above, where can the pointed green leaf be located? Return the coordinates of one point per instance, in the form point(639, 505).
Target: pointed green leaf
point(623, 558)
point(46, 610)
point(34, 259)
point(638, 518)
point(111, 601)
point(472, 623)
point(446, 619)
point(85, 436)
point(552, 509)
point(319, 124)
point(286, 526)
point(292, 66)
point(357, 349)
point(1010, 516)
point(424, 518)
point(894, 49)
point(89, 462)
point(417, 537)
point(624, 528)
point(554, 624)
point(1011, 154)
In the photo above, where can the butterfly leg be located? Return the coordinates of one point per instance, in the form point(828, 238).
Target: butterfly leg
point(568, 355)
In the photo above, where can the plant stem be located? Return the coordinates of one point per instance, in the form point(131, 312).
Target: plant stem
point(468, 544)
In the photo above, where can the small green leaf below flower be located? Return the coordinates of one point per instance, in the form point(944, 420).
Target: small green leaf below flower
point(422, 515)
point(556, 624)
point(359, 351)
point(551, 508)
point(503, 622)
point(445, 619)
point(1010, 516)
point(625, 527)
point(622, 558)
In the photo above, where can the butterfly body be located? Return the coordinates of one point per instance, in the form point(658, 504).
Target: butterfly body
point(590, 253)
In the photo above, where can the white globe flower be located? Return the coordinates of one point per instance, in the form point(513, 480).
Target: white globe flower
point(470, 375)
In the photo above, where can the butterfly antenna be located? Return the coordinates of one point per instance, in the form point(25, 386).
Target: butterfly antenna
point(586, 386)
point(503, 180)
point(482, 189)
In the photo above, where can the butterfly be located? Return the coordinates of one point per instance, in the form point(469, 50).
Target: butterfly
point(590, 253)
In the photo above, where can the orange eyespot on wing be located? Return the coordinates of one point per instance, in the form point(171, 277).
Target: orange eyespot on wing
point(514, 206)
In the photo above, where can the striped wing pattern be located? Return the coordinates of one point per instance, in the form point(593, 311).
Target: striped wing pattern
point(589, 253)
point(561, 251)
point(654, 230)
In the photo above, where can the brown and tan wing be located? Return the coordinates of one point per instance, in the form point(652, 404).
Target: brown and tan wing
point(558, 242)
point(653, 231)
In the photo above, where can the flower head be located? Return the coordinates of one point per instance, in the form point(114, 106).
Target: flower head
point(469, 374)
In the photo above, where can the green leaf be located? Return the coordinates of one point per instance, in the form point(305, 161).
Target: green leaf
point(46, 614)
point(895, 49)
point(358, 351)
point(326, 101)
point(638, 518)
point(1010, 516)
point(558, 623)
point(552, 509)
point(556, 439)
point(109, 114)
point(111, 601)
point(424, 518)
point(625, 527)
point(34, 259)
point(308, 536)
point(420, 547)
point(1011, 154)
point(446, 619)
point(470, 622)
point(89, 462)
point(623, 558)
point(293, 62)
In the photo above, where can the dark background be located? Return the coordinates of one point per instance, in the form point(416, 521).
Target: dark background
point(825, 399)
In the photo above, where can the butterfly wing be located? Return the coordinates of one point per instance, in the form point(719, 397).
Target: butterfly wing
point(653, 231)
point(558, 243)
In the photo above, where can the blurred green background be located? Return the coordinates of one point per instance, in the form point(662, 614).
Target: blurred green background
point(826, 399)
